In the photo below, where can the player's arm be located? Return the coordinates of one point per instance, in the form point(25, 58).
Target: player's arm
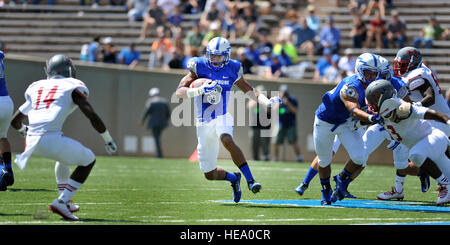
point(20, 115)
point(426, 90)
point(437, 116)
point(256, 95)
point(349, 96)
point(183, 86)
point(81, 101)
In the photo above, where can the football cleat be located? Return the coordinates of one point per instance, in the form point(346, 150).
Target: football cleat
point(255, 187)
point(301, 188)
point(326, 197)
point(9, 177)
point(340, 192)
point(389, 195)
point(424, 182)
point(61, 208)
point(444, 195)
point(348, 195)
point(236, 185)
point(72, 207)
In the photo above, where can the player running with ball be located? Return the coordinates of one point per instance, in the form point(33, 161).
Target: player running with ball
point(214, 123)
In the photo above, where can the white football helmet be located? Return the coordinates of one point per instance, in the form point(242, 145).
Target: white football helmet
point(218, 52)
point(385, 68)
point(366, 62)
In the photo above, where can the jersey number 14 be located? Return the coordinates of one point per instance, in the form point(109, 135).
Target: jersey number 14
point(48, 98)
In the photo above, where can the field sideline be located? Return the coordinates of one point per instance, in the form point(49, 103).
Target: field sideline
point(148, 191)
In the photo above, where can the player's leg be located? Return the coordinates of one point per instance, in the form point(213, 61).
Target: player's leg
point(208, 150)
point(6, 171)
point(314, 169)
point(353, 143)
point(323, 145)
point(62, 172)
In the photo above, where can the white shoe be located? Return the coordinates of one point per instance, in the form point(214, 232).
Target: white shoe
point(61, 208)
point(393, 194)
point(72, 207)
point(444, 195)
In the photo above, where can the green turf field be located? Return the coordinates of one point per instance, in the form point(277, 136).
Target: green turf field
point(146, 191)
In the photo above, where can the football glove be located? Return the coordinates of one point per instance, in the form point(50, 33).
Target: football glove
point(376, 118)
point(275, 100)
point(209, 87)
point(110, 145)
point(23, 130)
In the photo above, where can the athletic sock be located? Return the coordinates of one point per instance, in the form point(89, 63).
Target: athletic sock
point(399, 180)
point(230, 177)
point(62, 173)
point(442, 180)
point(245, 169)
point(325, 184)
point(345, 175)
point(7, 159)
point(310, 175)
point(70, 190)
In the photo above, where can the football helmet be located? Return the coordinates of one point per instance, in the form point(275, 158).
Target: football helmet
point(60, 65)
point(218, 52)
point(386, 72)
point(367, 62)
point(378, 92)
point(407, 59)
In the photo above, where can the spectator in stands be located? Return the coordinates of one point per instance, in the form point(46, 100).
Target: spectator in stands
point(287, 123)
point(194, 6)
point(210, 15)
point(252, 53)
point(116, 2)
point(175, 18)
point(94, 50)
point(158, 113)
point(177, 59)
point(109, 53)
point(263, 40)
point(154, 17)
point(264, 67)
point(290, 21)
point(259, 121)
point(137, 9)
point(161, 51)
point(357, 7)
point(193, 52)
point(230, 23)
point(3, 47)
point(322, 64)
point(194, 38)
point(275, 67)
point(303, 37)
point(130, 56)
point(286, 47)
point(347, 63)
point(247, 64)
point(396, 31)
point(168, 6)
point(214, 31)
point(331, 73)
point(312, 20)
point(432, 31)
point(250, 21)
point(377, 31)
point(24, 2)
point(380, 5)
point(358, 32)
point(330, 37)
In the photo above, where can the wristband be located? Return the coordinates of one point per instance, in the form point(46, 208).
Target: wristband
point(106, 136)
point(263, 100)
point(193, 92)
point(448, 122)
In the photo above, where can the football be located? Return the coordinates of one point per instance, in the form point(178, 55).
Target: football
point(199, 82)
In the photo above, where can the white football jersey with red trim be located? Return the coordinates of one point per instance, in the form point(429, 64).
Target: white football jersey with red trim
point(416, 78)
point(48, 103)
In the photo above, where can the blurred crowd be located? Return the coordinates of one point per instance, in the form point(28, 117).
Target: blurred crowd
point(269, 39)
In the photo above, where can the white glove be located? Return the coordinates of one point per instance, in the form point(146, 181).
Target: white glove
point(275, 100)
point(263, 100)
point(418, 103)
point(448, 122)
point(23, 130)
point(110, 145)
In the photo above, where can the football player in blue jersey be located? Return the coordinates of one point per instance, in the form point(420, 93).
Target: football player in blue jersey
point(334, 117)
point(214, 123)
point(6, 112)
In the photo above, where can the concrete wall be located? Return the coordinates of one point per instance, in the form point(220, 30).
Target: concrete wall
point(118, 94)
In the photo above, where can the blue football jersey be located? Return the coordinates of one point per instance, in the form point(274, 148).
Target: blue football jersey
point(225, 77)
point(332, 109)
point(3, 90)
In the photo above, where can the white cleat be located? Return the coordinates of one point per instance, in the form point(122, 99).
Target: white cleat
point(61, 208)
point(389, 195)
point(72, 207)
point(444, 195)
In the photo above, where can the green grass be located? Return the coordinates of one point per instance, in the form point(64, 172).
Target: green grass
point(146, 191)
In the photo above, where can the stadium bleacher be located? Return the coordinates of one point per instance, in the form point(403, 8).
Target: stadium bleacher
point(39, 30)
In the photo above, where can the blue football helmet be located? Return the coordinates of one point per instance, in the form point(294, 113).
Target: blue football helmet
point(218, 52)
point(386, 71)
point(366, 62)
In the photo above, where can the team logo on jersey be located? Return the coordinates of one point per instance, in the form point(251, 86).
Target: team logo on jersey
point(223, 82)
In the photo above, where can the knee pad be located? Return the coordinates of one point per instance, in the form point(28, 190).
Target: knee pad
point(325, 161)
